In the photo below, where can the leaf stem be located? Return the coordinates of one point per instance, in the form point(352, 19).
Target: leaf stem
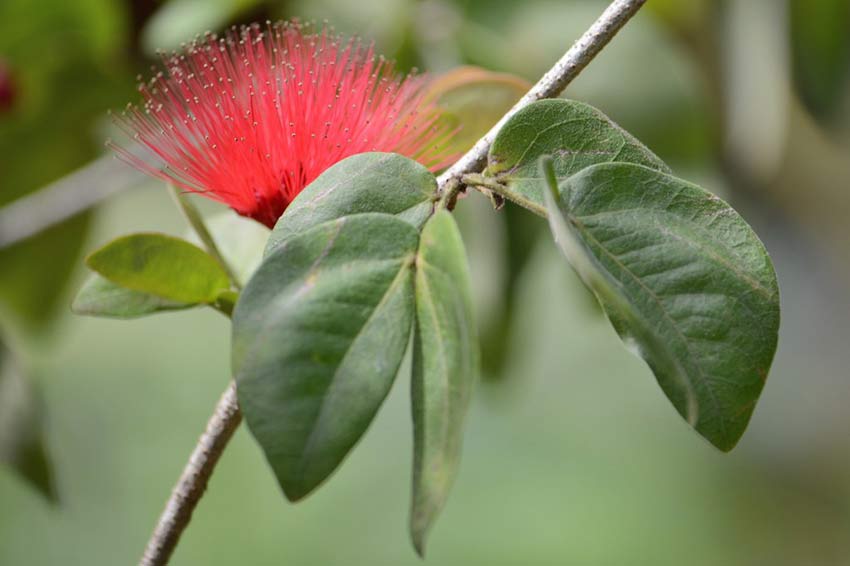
point(196, 221)
point(490, 184)
point(449, 194)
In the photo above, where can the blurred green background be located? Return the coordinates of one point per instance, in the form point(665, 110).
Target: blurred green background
point(572, 454)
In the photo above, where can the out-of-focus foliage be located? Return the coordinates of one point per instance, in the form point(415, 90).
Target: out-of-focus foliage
point(474, 99)
point(22, 444)
point(66, 61)
point(820, 44)
point(63, 65)
point(178, 21)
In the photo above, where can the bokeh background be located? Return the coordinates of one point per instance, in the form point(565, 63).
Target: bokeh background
point(572, 453)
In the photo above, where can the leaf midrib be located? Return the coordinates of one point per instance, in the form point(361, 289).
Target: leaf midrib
point(404, 265)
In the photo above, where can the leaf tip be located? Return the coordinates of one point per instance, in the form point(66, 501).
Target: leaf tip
point(418, 535)
point(294, 493)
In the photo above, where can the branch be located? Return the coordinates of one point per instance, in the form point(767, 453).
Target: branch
point(62, 199)
point(553, 82)
point(226, 418)
point(193, 481)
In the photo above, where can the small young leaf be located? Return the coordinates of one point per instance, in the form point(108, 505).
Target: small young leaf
point(445, 367)
point(575, 134)
point(682, 278)
point(160, 265)
point(101, 297)
point(472, 99)
point(367, 182)
point(318, 335)
point(21, 430)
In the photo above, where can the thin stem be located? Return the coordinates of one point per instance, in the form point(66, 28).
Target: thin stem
point(193, 481)
point(553, 82)
point(72, 194)
point(448, 198)
point(226, 418)
point(196, 221)
point(477, 180)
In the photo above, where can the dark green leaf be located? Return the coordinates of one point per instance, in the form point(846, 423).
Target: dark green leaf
point(820, 46)
point(445, 366)
point(318, 336)
point(575, 134)
point(368, 182)
point(161, 265)
point(21, 435)
point(683, 279)
point(101, 297)
point(522, 232)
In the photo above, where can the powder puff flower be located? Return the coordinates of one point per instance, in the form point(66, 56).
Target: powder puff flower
point(251, 118)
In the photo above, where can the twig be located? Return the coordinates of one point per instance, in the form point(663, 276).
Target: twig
point(196, 222)
point(553, 82)
point(62, 199)
point(193, 481)
point(489, 184)
point(227, 416)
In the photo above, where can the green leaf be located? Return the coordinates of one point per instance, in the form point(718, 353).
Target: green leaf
point(318, 336)
point(575, 134)
point(101, 297)
point(367, 182)
point(683, 279)
point(445, 367)
point(21, 429)
point(472, 100)
point(161, 265)
point(820, 49)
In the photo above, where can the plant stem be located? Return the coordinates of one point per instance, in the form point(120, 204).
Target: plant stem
point(196, 221)
point(73, 194)
point(553, 82)
point(448, 195)
point(193, 481)
point(226, 418)
point(492, 185)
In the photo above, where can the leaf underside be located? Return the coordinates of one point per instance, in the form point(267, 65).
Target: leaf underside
point(160, 265)
point(445, 367)
point(683, 279)
point(103, 298)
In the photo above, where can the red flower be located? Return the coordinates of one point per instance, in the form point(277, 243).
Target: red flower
point(252, 118)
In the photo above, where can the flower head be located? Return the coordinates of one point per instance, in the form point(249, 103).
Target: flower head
point(251, 118)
